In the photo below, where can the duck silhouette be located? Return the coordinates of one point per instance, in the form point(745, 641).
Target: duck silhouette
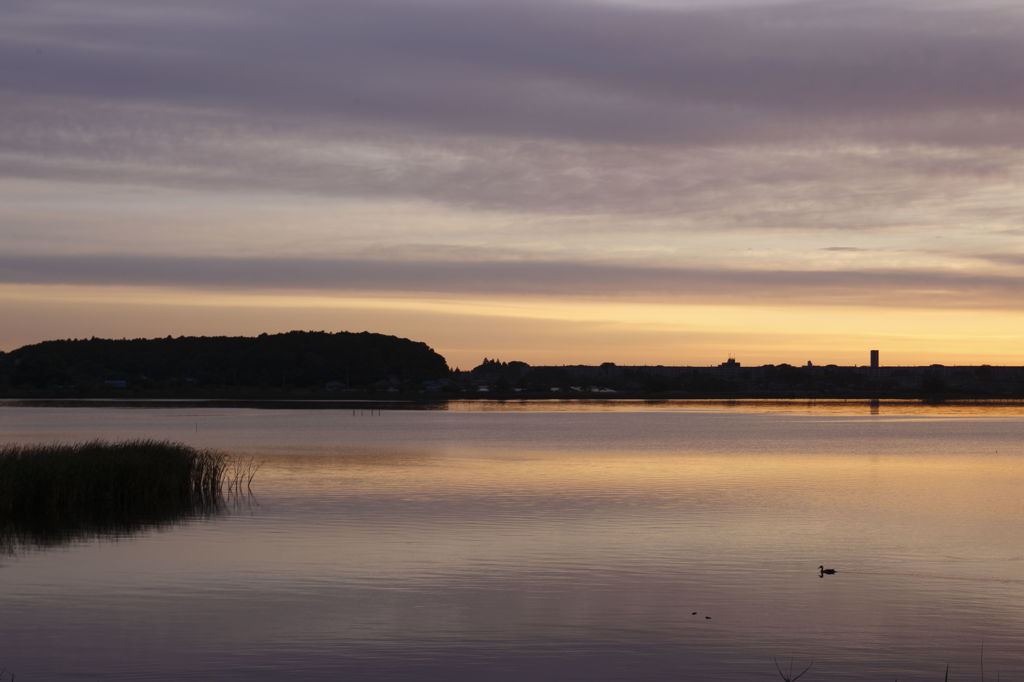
point(825, 571)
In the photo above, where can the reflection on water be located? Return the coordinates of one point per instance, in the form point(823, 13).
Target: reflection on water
point(49, 531)
point(853, 407)
point(537, 545)
point(858, 407)
point(360, 406)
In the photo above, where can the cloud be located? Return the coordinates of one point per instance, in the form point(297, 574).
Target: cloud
point(563, 70)
point(1014, 259)
point(787, 186)
point(883, 288)
point(780, 115)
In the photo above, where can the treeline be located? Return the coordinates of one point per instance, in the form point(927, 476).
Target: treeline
point(297, 359)
point(495, 376)
point(733, 381)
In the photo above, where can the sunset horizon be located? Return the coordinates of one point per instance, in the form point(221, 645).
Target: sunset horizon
point(845, 358)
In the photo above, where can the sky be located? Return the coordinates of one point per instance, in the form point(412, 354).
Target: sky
point(552, 181)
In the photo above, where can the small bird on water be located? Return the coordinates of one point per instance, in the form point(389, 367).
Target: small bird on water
point(825, 571)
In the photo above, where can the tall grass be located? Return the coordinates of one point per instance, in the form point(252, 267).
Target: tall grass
point(51, 492)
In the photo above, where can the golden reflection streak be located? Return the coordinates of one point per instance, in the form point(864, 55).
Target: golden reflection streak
point(924, 488)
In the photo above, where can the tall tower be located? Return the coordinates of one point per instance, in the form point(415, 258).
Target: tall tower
point(874, 359)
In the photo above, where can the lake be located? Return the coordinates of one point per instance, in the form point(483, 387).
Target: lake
point(547, 541)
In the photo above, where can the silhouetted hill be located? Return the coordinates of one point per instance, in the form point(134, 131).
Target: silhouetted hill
point(270, 361)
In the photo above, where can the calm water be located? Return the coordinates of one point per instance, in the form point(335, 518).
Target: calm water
point(552, 542)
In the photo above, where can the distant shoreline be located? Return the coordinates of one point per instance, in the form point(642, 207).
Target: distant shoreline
point(343, 367)
point(442, 404)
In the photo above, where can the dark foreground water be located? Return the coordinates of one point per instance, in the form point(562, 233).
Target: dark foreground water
point(551, 542)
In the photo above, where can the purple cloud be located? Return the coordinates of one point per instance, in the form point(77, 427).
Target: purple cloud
point(881, 287)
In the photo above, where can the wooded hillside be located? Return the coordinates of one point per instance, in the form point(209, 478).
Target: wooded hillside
point(293, 359)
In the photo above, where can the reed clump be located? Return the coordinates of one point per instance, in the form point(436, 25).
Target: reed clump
point(49, 492)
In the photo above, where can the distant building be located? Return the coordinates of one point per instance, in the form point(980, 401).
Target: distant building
point(874, 359)
point(730, 364)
